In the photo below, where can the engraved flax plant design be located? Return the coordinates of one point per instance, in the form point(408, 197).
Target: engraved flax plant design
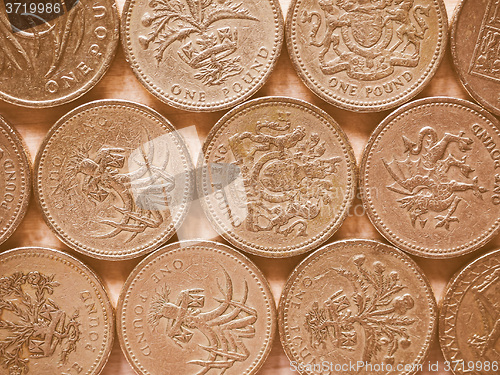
point(174, 21)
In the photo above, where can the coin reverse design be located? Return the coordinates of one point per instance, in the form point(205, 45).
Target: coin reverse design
point(278, 176)
point(430, 177)
point(114, 179)
point(357, 302)
point(366, 56)
point(195, 308)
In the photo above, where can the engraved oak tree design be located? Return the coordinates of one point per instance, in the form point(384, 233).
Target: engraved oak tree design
point(376, 306)
point(174, 21)
point(32, 324)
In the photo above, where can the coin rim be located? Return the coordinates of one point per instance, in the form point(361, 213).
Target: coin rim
point(104, 67)
point(86, 271)
point(192, 246)
point(459, 71)
point(337, 247)
point(448, 292)
point(347, 155)
point(104, 254)
point(378, 223)
point(22, 153)
point(378, 106)
point(166, 98)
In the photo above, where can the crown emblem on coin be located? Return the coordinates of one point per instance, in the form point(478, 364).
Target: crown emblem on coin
point(225, 327)
point(31, 323)
point(367, 39)
point(206, 50)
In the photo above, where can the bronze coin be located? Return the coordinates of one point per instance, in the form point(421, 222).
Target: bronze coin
point(278, 176)
point(363, 55)
point(469, 318)
point(430, 177)
point(15, 180)
point(474, 39)
point(196, 308)
point(357, 307)
point(202, 55)
point(56, 61)
point(114, 179)
point(55, 315)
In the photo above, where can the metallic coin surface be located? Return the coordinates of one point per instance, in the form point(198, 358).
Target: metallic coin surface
point(15, 180)
point(474, 39)
point(202, 55)
point(366, 55)
point(196, 308)
point(55, 315)
point(278, 176)
point(357, 307)
point(114, 179)
point(469, 318)
point(430, 177)
point(50, 63)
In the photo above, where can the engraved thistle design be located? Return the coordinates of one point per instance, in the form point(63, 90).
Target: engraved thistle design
point(376, 307)
point(287, 179)
point(31, 323)
point(39, 36)
point(224, 327)
point(486, 60)
point(427, 178)
point(143, 193)
point(367, 39)
point(210, 52)
point(486, 295)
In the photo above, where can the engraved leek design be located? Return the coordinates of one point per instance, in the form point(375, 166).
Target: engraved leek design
point(172, 20)
point(33, 326)
point(224, 327)
point(377, 310)
point(16, 55)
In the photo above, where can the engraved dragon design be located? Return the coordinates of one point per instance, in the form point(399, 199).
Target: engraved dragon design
point(377, 306)
point(224, 327)
point(176, 20)
point(143, 192)
point(423, 177)
point(287, 179)
point(32, 325)
point(40, 35)
point(367, 47)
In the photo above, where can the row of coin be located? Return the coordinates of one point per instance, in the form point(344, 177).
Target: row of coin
point(368, 55)
point(198, 306)
point(276, 178)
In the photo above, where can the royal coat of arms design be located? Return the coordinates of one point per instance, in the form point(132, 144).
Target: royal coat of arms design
point(430, 179)
point(225, 328)
point(209, 50)
point(288, 181)
point(374, 317)
point(367, 39)
point(32, 325)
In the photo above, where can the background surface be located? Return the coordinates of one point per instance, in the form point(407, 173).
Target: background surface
point(120, 83)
